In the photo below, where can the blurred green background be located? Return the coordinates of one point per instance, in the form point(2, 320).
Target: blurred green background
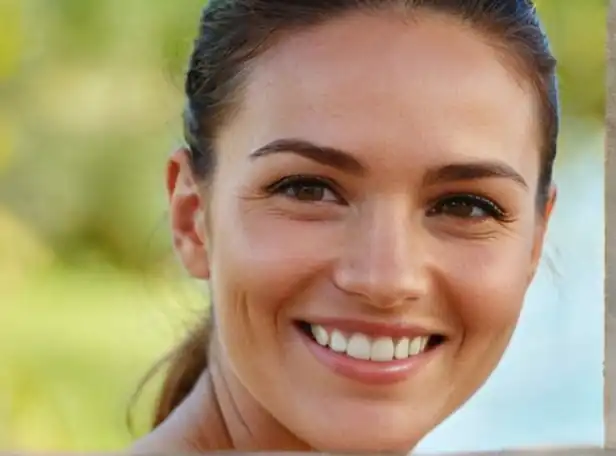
point(90, 293)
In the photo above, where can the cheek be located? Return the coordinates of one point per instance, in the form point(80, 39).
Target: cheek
point(487, 285)
point(483, 288)
point(271, 256)
point(260, 266)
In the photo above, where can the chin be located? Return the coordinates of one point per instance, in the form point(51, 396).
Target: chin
point(373, 440)
point(368, 428)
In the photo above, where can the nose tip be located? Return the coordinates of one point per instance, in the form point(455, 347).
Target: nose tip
point(383, 288)
point(383, 278)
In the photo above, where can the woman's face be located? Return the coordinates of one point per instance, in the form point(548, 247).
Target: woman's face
point(372, 227)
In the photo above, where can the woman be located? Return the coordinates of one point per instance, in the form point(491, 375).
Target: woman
point(366, 188)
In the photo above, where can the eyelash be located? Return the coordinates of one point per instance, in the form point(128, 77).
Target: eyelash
point(298, 181)
point(469, 200)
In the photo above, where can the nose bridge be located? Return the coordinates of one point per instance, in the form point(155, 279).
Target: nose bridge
point(383, 260)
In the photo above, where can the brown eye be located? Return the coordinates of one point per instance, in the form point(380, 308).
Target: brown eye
point(463, 209)
point(306, 189)
point(306, 192)
point(467, 207)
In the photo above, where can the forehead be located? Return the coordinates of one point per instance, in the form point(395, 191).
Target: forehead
point(429, 87)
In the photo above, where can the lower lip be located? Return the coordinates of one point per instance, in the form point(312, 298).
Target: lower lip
point(369, 372)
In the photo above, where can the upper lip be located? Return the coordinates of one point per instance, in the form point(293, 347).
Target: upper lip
point(377, 329)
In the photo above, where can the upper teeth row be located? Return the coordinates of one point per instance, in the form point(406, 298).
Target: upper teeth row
point(364, 347)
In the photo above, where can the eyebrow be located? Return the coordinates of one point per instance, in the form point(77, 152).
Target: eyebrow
point(325, 155)
point(473, 171)
point(342, 160)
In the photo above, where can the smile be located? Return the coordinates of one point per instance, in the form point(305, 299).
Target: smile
point(361, 346)
point(369, 357)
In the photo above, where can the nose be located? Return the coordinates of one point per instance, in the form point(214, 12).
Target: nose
point(384, 260)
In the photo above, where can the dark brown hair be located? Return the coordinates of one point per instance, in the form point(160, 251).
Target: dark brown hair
point(233, 32)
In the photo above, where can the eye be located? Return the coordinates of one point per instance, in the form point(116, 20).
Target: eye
point(305, 189)
point(467, 207)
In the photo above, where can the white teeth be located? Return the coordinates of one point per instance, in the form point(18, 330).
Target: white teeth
point(402, 349)
point(361, 346)
point(424, 343)
point(382, 349)
point(338, 342)
point(415, 346)
point(320, 334)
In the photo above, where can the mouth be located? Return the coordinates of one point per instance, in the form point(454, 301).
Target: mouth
point(381, 349)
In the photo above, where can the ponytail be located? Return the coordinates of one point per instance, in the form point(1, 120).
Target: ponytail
point(185, 364)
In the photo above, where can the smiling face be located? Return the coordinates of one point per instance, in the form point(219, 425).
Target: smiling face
point(372, 227)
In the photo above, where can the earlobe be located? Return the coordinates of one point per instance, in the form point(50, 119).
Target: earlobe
point(550, 203)
point(187, 214)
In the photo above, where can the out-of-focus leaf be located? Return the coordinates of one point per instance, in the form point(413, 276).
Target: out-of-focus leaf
point(10, 38)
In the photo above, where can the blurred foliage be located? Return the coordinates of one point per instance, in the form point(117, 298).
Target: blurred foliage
point(91, 99)
point(10, 46)
point(68, 372)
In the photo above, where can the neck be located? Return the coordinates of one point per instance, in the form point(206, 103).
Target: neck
point(220, 414)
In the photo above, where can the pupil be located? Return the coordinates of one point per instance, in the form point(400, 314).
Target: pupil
point(460, 209)
point(308, 193)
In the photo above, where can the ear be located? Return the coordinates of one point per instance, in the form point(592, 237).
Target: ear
point(187, 211)
point(540, 231)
